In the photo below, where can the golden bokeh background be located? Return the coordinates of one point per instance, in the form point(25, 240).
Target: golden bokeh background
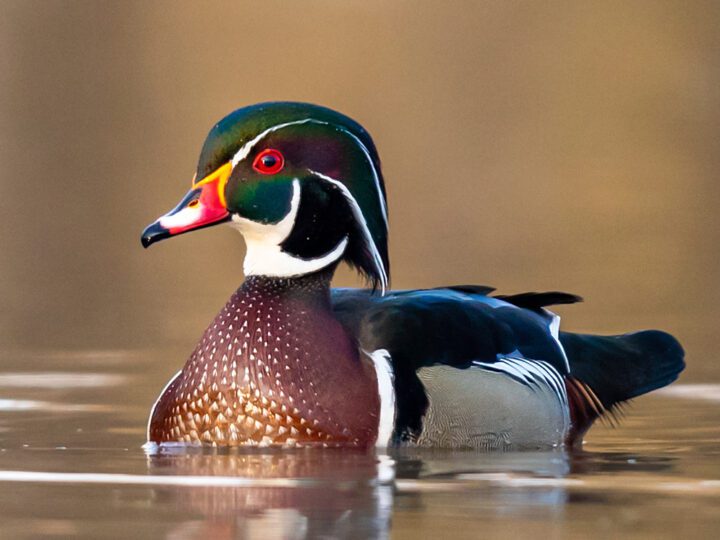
point(526, 145)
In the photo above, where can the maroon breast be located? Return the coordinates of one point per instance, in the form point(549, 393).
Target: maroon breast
point(274, 367)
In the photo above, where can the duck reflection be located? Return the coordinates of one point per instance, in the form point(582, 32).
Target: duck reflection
point(305, 493)
point(312, 493)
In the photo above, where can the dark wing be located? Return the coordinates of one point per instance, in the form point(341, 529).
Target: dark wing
point(447, 326)
point(451, 326)
point(482, 290)
point(537, 301)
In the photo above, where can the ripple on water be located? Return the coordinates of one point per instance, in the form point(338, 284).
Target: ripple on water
point(50, 379)
point(706, 392)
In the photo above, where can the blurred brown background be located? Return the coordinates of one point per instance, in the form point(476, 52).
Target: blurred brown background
point(527, 145)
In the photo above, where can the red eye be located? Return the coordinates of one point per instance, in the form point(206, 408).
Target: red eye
point(269, 161)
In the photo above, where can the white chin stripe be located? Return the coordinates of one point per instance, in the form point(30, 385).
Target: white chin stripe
point(386, 391)
point(265, 257)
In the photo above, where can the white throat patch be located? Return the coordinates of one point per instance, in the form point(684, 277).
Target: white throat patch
point(265, 257)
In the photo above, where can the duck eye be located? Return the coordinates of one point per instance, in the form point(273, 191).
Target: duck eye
point(269, 161)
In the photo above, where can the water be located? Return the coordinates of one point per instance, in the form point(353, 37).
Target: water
point(71, 465)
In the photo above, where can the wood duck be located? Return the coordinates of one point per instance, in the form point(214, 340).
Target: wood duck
point(290, 361)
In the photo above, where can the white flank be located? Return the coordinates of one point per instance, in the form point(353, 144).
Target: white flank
point(357, 212)
point(386, 390)
point(152, 409)
point(534, 373)
point(265, 257)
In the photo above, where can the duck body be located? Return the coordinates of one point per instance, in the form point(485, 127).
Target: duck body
point(290, 361)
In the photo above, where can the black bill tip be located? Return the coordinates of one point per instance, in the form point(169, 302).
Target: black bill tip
point(153, 233)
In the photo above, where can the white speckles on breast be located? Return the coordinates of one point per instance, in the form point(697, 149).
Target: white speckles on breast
point(281, 370)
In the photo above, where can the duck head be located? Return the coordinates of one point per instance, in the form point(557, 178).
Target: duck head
point(301, 183)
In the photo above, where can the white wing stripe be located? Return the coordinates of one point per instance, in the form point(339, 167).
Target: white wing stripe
point(553, 377)
point(529, 372)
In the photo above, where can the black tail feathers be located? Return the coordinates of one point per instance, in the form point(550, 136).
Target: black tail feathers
point(618, 368)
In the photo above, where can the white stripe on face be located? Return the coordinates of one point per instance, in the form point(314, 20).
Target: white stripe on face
point(360, 218)
point(246, 148)
point(376, 178)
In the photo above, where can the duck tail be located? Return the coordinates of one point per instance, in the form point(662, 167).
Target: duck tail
point(606, 371)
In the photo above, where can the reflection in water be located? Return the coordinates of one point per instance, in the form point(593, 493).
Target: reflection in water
point(340, 494)
point(606, 462)
point(332, 493)
point(352, 494)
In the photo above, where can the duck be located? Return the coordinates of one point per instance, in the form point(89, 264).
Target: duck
point(291, 361)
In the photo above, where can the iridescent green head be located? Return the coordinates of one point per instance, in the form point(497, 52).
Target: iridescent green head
point(301, 182)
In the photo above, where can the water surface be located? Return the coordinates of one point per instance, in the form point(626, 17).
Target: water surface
point(71, 464)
